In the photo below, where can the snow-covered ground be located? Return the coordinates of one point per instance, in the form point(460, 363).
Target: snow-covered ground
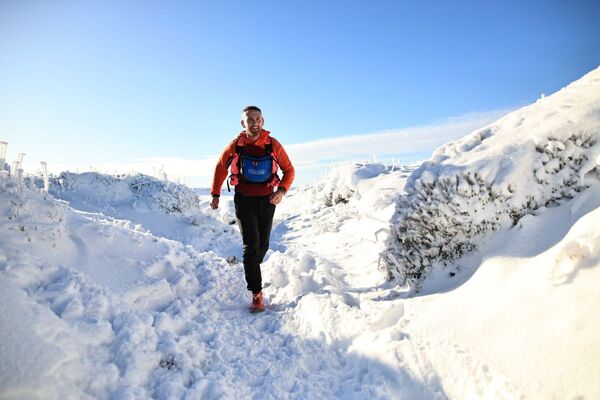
point(129, 288)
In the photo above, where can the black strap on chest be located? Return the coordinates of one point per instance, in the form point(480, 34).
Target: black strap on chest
point(268, 149)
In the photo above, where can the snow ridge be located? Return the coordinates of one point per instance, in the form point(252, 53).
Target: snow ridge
point(164, 208)
point(105, 190)
point(535, 157)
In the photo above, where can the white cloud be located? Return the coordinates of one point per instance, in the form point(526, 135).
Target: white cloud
point(390, 143)
point(311, 158)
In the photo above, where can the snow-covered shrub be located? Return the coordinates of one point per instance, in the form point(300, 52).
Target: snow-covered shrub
point(341, 183)
point(29, 213)
point(350, 191)
point(165, 195)
point(138, 190)
point(90, 188)
point(535, 157)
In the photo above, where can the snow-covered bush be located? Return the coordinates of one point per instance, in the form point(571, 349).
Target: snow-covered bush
point(164, 208)
point(165, 195)
point(99, 189)
point(340, 185)
point(349, 191)
point(29, 213)
point(535, 157)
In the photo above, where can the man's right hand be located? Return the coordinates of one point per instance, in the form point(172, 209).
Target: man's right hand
point(214, 204)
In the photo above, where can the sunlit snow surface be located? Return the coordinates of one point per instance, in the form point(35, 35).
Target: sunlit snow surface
point(535, 157)
point(115, 293)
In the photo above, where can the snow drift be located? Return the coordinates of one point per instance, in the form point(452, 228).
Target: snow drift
point(102, 191)
point(91, 301)
point(535, 157)
point(162, 207)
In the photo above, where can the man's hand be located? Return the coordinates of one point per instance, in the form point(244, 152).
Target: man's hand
point(214, 204)
point(276, 197)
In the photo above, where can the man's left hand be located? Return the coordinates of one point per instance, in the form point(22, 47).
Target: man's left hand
point(276, 197)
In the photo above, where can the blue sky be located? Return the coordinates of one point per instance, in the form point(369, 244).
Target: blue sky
point(131, 83)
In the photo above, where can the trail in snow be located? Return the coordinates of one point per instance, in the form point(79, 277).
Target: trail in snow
point(329, 272)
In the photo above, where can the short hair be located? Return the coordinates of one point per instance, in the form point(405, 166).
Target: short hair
point(251, 108)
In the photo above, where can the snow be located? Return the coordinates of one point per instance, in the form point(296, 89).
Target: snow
point(540, 321)
point(26, 356)
point(538, 156)
point(131, 287)
point(163, 208)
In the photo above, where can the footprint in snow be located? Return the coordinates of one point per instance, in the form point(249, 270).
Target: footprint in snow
point(389, 318)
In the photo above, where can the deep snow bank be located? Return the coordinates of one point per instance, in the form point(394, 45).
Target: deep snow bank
point(528, 319)
point(535, 157)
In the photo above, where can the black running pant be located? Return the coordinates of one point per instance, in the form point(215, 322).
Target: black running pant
point(255, 219)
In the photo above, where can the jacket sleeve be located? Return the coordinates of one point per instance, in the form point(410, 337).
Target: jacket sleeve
point(285, 164)
point(221, 169)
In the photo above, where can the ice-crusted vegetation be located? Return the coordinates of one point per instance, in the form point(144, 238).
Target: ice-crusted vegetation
point(538, 156)
point(160, 195)
point(142, 192)
point(162, 207)
point(345, 182)
point(29, 216)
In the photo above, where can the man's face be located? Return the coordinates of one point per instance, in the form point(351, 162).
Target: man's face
point(252, 121)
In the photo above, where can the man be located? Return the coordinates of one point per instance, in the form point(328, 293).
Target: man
point(254, 157)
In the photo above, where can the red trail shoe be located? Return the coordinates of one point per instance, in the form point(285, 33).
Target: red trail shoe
point(257, 303)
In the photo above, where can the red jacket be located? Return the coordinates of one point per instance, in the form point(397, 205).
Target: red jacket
point(256, 148)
